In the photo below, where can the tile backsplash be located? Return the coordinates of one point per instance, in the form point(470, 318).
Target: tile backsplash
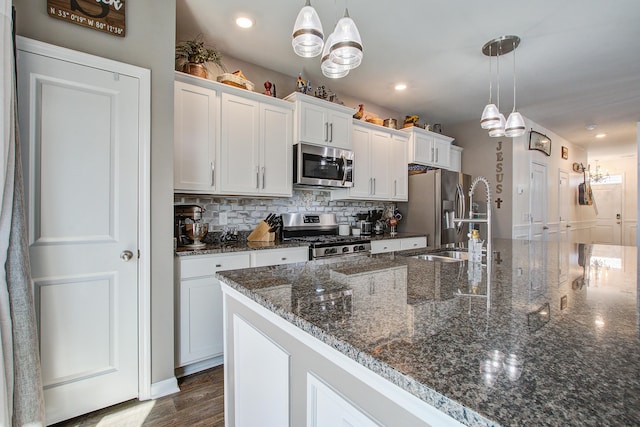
point(246, 213)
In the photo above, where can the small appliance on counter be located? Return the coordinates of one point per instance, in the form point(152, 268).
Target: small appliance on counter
point(364, 224)
point(189, 228)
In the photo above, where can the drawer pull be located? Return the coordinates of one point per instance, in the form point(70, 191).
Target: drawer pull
point(284, 258)
point(218, 265)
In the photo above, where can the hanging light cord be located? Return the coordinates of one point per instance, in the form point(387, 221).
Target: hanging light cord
point(498, 68)
point(514, 76)
point(490, 76)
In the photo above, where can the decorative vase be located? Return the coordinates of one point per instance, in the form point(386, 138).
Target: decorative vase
point(196, 69)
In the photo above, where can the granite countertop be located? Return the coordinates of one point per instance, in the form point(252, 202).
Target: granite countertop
point(216, 247)
point(226, 247)
point(445, 331)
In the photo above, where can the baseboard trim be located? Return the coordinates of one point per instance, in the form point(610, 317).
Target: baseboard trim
point(164, 388)
point(199, 366)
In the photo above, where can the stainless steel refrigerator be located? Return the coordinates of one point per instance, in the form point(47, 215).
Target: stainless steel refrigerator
point(435, 199)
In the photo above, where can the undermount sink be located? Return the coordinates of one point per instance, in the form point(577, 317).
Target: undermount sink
point(444, 256)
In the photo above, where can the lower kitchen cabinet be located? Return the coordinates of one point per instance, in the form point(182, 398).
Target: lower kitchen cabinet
point(199, 332)
point(398, 244)
point(199, 325)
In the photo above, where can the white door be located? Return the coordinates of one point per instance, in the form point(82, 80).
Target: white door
point(608, 198)
point(538, 201)
point(79, 128)
point(564, 200)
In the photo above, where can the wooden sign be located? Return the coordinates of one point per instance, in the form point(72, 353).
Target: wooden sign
point(102, 15)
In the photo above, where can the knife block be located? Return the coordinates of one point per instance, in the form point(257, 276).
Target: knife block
point(261, 233)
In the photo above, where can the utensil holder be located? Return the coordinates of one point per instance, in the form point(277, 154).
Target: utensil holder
point(262, 234)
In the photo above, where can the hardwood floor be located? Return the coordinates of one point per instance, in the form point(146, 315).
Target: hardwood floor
point(199, 403)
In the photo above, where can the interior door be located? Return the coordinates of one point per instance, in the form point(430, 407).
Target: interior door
point(608, 229)
point(79, 128)
point(538, 201)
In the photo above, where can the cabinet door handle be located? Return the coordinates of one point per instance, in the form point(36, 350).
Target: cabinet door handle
point(370, 186)
point(257, 177)
point(374, 186)
point(437, 155)
point(263, 177)
point(213, 174)
point(395, 187)
point(326, 131)
point(432, 154)
point(331, 129)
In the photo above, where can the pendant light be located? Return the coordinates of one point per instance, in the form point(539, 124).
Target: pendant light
point(329, 68)
point(490, 114)
point(308, 36)
point(515, 123)
point(346, 46)
point(497, 125)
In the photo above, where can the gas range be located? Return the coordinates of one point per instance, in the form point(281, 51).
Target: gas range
point(320, 231)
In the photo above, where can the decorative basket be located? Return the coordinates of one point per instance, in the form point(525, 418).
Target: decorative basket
point(235, 80)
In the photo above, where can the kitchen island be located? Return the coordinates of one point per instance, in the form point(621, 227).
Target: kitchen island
point(550, 337)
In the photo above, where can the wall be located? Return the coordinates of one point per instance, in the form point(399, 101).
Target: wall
point(246, 213)
point(149, 43)
point(480, 157)
point(491, 158)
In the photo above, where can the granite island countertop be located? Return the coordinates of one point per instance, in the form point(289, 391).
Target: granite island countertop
point(445, 331)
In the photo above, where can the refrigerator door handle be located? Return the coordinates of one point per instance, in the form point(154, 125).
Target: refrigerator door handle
point(461, 207)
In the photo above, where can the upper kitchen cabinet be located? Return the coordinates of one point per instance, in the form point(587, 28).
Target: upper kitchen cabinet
point(428, 148)
point(455, 161)
point(380, 164)
point(255, 142)
point(229, 141)
point(195, 138)
point(321, 122)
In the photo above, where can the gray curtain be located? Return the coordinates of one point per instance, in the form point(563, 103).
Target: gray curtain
point(22, 382)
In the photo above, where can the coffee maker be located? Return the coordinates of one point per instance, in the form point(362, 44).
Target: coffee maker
point(189, 230)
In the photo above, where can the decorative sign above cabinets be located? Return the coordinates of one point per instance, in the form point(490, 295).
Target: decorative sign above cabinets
point(102, 15)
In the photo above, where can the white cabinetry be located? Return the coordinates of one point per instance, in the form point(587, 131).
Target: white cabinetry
point(321, 122)
point(428, 148)
point(327, 408)
point(380, 165)
point(195, 138)
point(199, 304)
point(455, 161)
point(397, 244)
point(199, 327)
point(230, 141)
point(279, 256)
point(255, 143)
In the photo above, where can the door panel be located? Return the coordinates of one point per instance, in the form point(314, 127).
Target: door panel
point(79, 128)
point(538, 202)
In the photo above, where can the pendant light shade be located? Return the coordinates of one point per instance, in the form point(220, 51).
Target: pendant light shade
point(346, 46)
point(329, 68)
point(490, 117)
point(515, 125)
point(308, 36)
point(498, 131)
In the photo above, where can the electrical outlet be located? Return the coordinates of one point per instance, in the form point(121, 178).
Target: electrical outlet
point(223, 218)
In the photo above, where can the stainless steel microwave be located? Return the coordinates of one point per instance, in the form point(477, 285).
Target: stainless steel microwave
point(321, 166)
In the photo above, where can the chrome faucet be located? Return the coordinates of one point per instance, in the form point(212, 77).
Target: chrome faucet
point(487, 219)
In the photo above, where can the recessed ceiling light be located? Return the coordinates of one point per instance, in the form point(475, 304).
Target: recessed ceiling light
point(244, 22)
point(601, 135)
point(401, 86)
point(590, 127)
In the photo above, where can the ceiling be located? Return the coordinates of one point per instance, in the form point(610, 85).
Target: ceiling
point(578, 62)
